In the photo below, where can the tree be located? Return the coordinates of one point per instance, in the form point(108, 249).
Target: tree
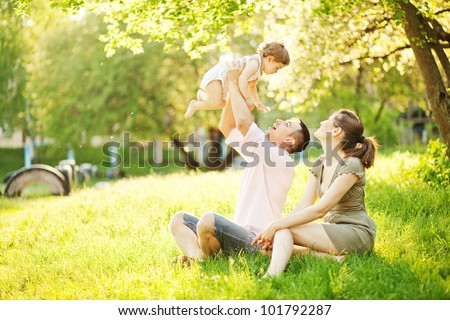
point(78, 93)
point(324, 38)
point(425, 34)
point(419, 27)
point(12, 75)
point(196, 26)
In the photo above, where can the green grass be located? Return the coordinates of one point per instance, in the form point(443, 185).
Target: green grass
point(114, 243)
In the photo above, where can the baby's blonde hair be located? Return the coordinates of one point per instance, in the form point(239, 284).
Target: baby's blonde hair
point(277, 50)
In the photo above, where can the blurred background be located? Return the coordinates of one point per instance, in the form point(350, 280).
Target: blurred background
point(64, 94)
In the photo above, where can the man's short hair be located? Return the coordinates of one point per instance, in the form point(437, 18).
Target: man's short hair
point(301, 138)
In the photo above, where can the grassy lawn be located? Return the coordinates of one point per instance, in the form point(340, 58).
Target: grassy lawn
point(114, 243)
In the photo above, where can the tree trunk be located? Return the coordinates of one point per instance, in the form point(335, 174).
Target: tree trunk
point(358, 88)
point(380, 110)
point(437, 94)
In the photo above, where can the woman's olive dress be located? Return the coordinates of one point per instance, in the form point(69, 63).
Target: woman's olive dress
point(347, 224)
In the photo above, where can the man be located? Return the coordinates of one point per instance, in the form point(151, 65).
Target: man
point(265, 183)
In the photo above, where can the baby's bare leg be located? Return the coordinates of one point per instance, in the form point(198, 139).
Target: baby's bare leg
point(210, 99)
point(202, 95)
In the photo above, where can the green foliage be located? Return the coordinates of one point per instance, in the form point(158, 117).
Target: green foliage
point(10, 160)
point(434, 166)
point(12, 74)
point(145, 95)
point(326, 39)
point(94, 95)
point(172, 21)
point(385, 129)
point(350, 32)
point(376, 103)
point(195, 27)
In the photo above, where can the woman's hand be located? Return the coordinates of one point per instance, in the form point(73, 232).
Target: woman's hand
point(267, 235)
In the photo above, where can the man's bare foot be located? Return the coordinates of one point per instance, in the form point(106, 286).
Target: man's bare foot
point(190, 110)
point(184, 261)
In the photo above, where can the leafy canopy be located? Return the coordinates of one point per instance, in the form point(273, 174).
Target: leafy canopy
point(196, 26)
point(324, 37)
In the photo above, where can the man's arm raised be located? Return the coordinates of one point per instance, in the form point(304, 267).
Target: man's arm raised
point(227, 123)
point(242, 116)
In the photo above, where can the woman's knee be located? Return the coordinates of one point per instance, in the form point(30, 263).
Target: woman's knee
point(314, 236)
point(206, 224)
point(284, 234)
point(176, 221)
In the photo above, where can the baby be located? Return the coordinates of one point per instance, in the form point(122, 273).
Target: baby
point(213, 89)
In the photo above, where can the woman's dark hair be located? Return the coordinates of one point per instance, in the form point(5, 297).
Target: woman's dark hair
point(355, 144)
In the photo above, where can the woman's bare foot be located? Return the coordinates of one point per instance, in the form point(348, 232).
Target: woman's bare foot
point(266, 252)
point(190, 110)
point(339, 258)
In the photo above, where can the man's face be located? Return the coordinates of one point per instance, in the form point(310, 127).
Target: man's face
point(280, 130)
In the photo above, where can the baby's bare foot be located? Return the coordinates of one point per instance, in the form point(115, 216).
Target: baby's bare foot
point(190, 110)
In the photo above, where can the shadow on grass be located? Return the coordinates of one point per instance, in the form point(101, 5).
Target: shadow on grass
point(368, 276)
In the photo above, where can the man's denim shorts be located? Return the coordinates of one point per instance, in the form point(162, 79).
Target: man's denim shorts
point(232, 237)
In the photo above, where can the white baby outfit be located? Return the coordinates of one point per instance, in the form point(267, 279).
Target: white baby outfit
point(219, 72)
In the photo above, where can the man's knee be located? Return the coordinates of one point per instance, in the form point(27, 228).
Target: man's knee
point(206, 224)
point(209, 244)
point(177, 221)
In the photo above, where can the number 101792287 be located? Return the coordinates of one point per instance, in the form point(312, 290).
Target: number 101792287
point(294, 309)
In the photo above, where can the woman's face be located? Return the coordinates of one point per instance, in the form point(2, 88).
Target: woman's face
point(325, 126)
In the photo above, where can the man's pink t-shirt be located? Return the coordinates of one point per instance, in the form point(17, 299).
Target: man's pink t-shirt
point(266, 181)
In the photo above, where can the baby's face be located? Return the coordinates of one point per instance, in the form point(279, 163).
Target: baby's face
point(272, 67)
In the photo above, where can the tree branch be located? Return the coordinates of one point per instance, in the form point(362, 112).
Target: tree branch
point(432, 35)
point(442, 11)
point(373, 26)
point(406, 46)
point(439, 31)
point(445, 63)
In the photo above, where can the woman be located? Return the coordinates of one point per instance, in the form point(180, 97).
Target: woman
point(338, 179)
